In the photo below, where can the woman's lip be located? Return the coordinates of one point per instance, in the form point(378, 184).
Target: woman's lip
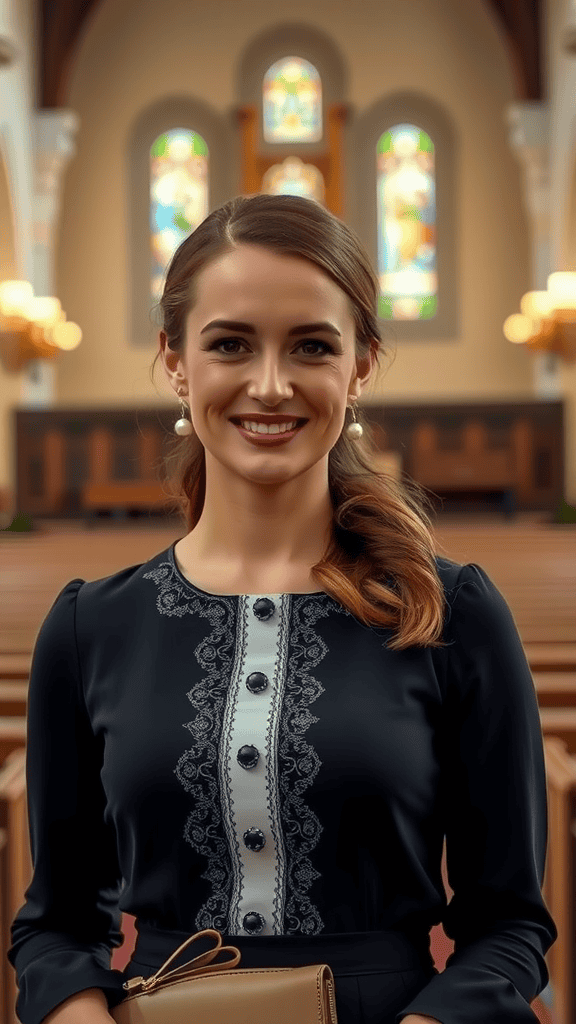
point(269, 439)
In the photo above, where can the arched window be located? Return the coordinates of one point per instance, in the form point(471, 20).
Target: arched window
point(178, 196)
point(406, 211)
point(292, 102)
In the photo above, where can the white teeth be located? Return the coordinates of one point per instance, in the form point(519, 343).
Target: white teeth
point(264, 428)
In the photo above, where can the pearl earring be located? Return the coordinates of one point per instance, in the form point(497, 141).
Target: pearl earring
point(354, 430)
point(183, 426)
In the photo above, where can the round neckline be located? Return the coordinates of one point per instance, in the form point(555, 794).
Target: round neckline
point(207, 593)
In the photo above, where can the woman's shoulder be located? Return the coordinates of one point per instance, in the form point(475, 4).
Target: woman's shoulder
point(124, 586)
point(475, 602)
point(449, 572)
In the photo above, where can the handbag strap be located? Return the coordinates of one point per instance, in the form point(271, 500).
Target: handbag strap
point(201, 964)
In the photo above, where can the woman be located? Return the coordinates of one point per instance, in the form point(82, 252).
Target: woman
point(269, 727)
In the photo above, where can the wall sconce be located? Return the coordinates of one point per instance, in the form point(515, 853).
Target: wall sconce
point(32, 327)
point(548, 319)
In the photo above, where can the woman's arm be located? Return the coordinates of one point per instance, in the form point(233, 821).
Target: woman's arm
point(495, 822)
point(63, 934)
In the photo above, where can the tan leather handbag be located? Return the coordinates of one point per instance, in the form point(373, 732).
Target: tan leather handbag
point(203, 993)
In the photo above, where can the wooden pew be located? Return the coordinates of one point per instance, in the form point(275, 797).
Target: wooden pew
point(13, 697)
point(559, 887)
point(561, 723)
point(16, 865)
point(545, 657)
point(12, 735)
point(15, 666)
point(554, 689)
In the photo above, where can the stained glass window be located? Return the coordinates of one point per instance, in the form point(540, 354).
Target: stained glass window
point(294, 178)
point(406, 211)
point(178, 196)
point(292, 102)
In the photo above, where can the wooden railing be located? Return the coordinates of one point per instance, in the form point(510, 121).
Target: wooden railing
point(80, 462)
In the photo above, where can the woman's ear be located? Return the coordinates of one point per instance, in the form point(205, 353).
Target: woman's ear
point(170, 358)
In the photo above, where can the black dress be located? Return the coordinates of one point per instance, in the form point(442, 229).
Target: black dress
point(265, 765)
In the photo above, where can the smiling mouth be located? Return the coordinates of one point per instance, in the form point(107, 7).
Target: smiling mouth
point(260, 437)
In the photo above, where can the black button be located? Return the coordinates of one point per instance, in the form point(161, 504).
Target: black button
point(257, 682)
point(253, 922)
point(264, 608)
point(254, 839)
point(248, 756)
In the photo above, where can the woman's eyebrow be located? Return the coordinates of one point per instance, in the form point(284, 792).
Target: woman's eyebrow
point(236, 325)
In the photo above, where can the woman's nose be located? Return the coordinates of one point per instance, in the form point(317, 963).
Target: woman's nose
point(271, 382)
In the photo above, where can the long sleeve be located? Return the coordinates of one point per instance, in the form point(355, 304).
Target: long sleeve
point(63, 934)
point(496, 819)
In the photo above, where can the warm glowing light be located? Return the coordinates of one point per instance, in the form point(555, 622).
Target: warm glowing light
point(536, 305)
point(562, 287)
point(14, 297)
point(43, 310)
point(518, 328)
point(66, 335)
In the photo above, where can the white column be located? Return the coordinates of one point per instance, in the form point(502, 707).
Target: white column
point(529, 124)
point(53, 133)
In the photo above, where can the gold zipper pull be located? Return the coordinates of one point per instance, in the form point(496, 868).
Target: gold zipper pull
point(139, 983)
point(133, 983)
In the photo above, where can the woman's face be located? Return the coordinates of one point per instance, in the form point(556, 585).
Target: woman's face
point(236, 371)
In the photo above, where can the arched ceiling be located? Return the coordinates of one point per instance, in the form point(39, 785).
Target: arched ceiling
point(61, 23)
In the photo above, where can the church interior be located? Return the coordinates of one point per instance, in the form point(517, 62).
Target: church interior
point(123, 123)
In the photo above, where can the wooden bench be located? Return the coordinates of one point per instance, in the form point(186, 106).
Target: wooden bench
point(547, 657)
point(560, 722)
point(13, 697)
point(15, 666)
point(16, 865)
point(123, 495)
point(12, 735)
point(554, 689)
point(471, 465)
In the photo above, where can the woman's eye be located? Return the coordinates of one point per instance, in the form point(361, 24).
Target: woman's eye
point(307, 341)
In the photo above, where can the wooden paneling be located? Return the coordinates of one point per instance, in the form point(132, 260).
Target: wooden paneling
point(79, 462)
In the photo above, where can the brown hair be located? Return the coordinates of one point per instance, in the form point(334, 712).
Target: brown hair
point(380, 563)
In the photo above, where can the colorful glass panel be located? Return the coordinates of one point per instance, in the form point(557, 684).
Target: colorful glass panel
point(406, 213)
point(292, 102)
point(294, 178)
point(178, 196)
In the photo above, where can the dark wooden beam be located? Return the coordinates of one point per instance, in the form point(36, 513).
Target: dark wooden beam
point(61, 24)
point(522, 22)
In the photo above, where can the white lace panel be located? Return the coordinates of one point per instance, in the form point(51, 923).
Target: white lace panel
point(227, 799)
